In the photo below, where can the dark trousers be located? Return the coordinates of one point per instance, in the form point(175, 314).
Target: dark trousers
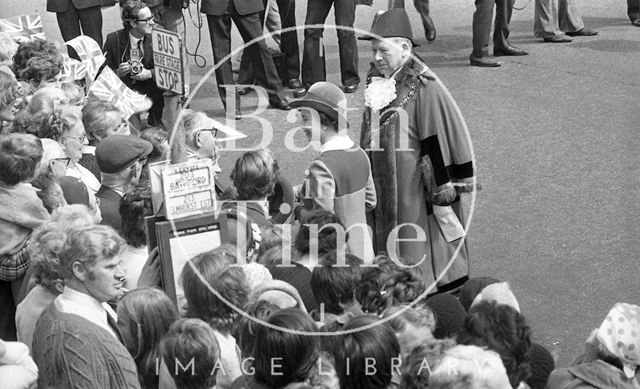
point(633, 10)
point(250, 28)
point(70, 22)
point(288, 45)
point(313, 63)
point(482, 26)
point(422, 6)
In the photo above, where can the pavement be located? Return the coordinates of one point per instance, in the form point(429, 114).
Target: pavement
point(556, 139)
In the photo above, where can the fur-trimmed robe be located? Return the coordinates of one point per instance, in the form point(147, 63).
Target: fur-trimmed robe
point(432, 154)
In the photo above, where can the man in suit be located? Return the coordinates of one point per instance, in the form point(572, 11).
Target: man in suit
point(556, 21)
point(246, 16)
point(313, 66)
point(482, 31)
point(130, 47)
point(422, 6)
point(73, 15)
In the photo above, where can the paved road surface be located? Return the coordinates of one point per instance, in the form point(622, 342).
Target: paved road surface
point(556, 136)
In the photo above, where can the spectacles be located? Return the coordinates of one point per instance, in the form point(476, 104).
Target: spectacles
point(64, 160)
point(213, 131)
point(80, 139)
point(147, 20)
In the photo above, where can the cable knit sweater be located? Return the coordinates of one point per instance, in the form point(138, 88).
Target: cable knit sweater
point(72, 352)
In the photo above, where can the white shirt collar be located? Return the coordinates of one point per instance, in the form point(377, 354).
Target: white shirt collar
point(338, 142)
point(85, 306)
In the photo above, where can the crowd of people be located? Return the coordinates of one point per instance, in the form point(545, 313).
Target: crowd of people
point(336, 293)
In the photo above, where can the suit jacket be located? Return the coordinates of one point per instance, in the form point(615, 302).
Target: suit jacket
point(116, 50)
point(220, 7)
point(110, 207)
point(62, 5)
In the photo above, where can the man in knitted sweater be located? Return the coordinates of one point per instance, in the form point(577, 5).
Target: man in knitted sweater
point(76, 343)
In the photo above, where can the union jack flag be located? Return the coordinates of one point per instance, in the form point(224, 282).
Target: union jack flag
point(73, 69)
point(89, 53)
point(23, 28)
point(108, 87)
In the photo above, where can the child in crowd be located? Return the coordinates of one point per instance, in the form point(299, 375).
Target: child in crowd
point(356, 351)
point(144, 317)
point(502, 329)
point(134, 206)
point(231, 288)
point(190, 340)
point(333, 285)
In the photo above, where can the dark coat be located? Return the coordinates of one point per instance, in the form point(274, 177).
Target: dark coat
point(220, 7)
point(116, 50)
point(109, 207)
point(62, 5)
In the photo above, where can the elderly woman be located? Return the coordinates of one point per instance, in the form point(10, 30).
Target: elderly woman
point(612, 354)
point(52, 168)
point(65, 127)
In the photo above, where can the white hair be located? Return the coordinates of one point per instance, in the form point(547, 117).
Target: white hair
point(469, 367)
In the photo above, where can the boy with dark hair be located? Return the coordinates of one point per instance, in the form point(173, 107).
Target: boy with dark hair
point(333, 285)
point(190, 352)
point(500, 328)
point(361, 350)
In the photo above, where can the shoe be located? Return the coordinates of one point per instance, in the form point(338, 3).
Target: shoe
point(300, 92)
point(238, 114)
point(282, 105)
point(483, 62)
point(558, 39)
point(244, 91)
point(636, 22)
point(431, 35)
point(510, 50)
point(294, 83)
point(350, 88)
point(583, 32)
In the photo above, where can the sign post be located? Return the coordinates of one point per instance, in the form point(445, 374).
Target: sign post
point(168, 62)
point(189, 189)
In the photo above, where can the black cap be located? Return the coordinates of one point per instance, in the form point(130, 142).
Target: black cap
point(391, 24)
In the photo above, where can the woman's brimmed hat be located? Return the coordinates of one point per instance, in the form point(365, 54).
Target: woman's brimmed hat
point(393, 23)
point(327, 98)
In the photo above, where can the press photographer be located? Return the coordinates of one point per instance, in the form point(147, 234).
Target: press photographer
point(129, 53)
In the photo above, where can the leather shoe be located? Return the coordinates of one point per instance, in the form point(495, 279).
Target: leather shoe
point(300, 92)
point(244, 91)
point(636, 22)
point(483, 62)
point(238, 114)
point(510, 50)
point(282, 105)
point(558, 39)
point(583, 32)
point(431, 35)
point(294, 83)
point(350, 88)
